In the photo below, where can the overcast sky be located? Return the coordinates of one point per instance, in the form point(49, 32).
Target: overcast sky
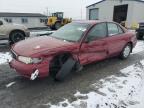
point(71, 8)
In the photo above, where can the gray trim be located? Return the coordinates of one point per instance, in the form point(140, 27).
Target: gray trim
point(139, 1)
point(96, 3)
point(105, 0)
point(8, 14)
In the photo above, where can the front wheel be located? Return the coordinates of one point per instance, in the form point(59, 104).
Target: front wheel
point(61, 67)
point(57, 25)
point(126, 51)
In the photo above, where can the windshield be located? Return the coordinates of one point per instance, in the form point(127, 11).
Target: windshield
point(71, 32)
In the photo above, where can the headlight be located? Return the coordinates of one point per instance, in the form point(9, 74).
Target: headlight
point(28, 60)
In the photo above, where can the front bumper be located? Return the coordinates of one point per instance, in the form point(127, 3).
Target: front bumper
point(27, 70)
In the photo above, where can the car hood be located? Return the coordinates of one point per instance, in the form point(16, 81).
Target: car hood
point(35, 45)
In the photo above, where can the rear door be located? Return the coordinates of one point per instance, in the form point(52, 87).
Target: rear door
point(94, 47)
point(116, 39)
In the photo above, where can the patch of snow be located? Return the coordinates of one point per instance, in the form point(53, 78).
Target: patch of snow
point(5, 58)
point(79, 94)
point(139, 96)
point(10, 84)
point(125, 91)
point(139, 47)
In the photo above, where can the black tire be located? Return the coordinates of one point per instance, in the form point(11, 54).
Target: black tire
point(61, 67)
point(57, 25)
point(52, 27)
point(126, 51)
point(16, 36)
point(140, 36)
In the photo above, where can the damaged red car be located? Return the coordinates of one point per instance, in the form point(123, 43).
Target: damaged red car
point(69, 48)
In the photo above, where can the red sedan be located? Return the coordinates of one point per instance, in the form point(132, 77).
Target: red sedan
point(69, 48)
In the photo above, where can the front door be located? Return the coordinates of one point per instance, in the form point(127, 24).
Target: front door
point(94, 47)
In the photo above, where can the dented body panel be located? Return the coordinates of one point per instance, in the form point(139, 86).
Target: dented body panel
point(83, 52)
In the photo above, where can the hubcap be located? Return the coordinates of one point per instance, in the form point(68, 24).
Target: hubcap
point(126, 51)
point(17, 37)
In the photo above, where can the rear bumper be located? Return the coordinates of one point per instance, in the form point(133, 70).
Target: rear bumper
point(27, 69)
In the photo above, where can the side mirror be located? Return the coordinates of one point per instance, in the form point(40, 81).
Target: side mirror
point(87, 40)
point(1, 23)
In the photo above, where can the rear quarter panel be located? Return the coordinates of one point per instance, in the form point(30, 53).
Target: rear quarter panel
point(132, 37)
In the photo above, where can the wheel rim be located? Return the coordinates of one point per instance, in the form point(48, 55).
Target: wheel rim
point(17, 37)
point(126, 51)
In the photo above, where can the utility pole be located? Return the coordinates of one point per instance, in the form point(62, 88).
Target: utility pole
point(81, 9)
point(81, 13)
point(47, 11)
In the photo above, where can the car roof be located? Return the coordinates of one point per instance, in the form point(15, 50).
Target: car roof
point(93, 22)
point(88, 21)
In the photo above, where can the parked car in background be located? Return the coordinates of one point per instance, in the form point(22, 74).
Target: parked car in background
point(12, 32)
point(140, 31)
point(69, 48)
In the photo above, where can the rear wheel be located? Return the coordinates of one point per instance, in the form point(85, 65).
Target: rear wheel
point(126, 51)
point(16, 37)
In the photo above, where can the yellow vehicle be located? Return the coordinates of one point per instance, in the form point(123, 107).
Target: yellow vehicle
point(57, 20)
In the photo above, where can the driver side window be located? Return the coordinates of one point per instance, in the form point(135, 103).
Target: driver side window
point(97, 32)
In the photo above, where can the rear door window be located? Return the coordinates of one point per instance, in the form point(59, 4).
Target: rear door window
point(112, 29)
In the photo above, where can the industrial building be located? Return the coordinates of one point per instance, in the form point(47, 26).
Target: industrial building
point(130, 11)
point(30, 20)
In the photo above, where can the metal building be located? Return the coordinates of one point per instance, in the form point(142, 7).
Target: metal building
point(30, 20)
point(130, 11)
